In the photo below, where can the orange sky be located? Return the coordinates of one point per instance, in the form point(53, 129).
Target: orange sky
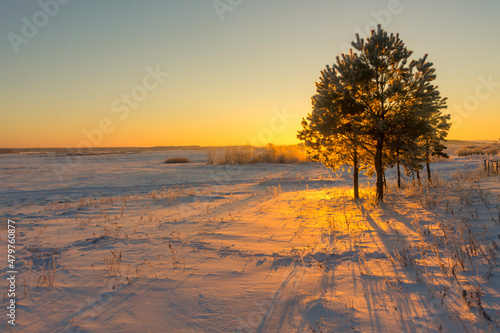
point(122, 73)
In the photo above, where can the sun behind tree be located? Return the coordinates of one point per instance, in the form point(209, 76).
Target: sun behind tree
point(375, 108)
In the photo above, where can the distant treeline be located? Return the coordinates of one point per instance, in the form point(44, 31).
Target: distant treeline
point(92, 150)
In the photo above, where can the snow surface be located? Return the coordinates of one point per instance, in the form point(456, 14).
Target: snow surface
point(252, 248)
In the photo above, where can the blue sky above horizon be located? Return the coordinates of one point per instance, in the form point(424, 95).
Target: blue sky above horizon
point(245, 79)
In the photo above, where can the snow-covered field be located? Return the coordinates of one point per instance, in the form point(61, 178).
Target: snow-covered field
point(124, 243)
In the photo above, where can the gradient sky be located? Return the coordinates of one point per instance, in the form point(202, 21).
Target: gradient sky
point(245, 79)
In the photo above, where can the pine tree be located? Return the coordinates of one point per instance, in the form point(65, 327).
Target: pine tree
point(409, 143)
point(332, 132)
point(433, 126)
point(375, 102)
point(392, 88)
point(433, 142)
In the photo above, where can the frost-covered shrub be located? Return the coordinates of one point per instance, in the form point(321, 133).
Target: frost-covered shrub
point(269, 154)
point(478, 149)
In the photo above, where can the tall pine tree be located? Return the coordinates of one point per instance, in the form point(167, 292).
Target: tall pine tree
point(375, 102)
point(333, 131)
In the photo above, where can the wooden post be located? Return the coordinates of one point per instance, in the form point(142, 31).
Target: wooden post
point(485, 169)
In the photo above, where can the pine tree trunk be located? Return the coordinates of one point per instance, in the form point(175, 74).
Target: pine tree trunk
point(355, 179)
point(428, 171)
point(379, 169)
point(399, 176)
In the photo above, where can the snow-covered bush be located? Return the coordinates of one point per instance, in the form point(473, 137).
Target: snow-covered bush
point(171, 160)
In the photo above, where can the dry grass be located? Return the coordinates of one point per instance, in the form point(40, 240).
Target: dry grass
point(47, 275)
point(459, 245)
point(211, 155)
point(113, 263)
point(269, 154)
point(177, 261)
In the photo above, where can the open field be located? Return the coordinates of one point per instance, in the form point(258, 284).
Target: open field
point(125, 243)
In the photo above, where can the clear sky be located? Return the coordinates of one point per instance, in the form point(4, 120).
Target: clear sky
point(204, 72)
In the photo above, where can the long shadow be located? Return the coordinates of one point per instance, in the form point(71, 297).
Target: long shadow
point(402, 300)
point(383, 235)
point(375, 289)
